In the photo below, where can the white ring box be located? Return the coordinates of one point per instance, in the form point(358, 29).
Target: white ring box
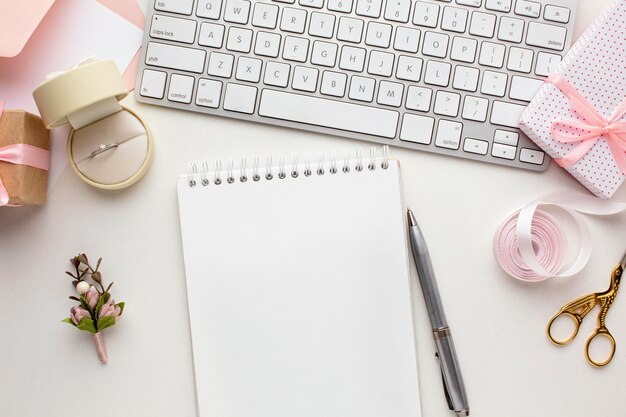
point(110, 146)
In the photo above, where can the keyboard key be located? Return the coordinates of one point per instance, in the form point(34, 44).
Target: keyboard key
point(503, 151)
point(454, 19)
point(546, 63)
point(398, 10)
point(520, 59)
point(173, 29)
point(209, 93)
point(240, 98)
point(211, 34)
point(267, 44)
point(435, 44)
point(494, 83)
point(498, 5)
point(239, 39)
point(333, 83)
point(556, 14)
point(293, 20)
point(277, 74)
point(221, 65)
point(352, 59)
point(506, 137)
point(472, 3)
point(437, 73)
point(475, 108)
point(418, 129)
point(305, 79)
point(328, 113)
point(426, 14)
point(378, 34)
point(175, 57)
point(318, 4)
point(248, 69)
point(531, 156)
point(296, 49)
point(324, 53)
point(181, 88)
point(448, 134)
point(466, 78)
point(265, 15)
point(546, 36)
point(153, 84)
point(381, 63)
point(527, 8)
point(463, 49)
point(524, 88)
point(174, 6)
point(237, 11)
point(483, 24)
point(506, 114)
point(409, 68)
point(322, 25)
point(362, 88)
point(369, 8)
point(350, 29)
point(476, 146)
point(406, 40)
point(492, 54)
point(511, 29)
point(343, 6)
point(447, 104)
point(209, 9)
point(390, 94)
point(418, 98)
point(285, 1)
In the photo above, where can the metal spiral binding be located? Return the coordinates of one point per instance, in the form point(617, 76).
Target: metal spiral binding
point(192, 170)
point(194, 174)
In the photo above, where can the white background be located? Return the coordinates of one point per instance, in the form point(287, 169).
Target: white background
point(49, 369)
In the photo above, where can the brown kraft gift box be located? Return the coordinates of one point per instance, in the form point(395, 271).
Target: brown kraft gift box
point(26, 185)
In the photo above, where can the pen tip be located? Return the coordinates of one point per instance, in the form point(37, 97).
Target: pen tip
point(411, 217)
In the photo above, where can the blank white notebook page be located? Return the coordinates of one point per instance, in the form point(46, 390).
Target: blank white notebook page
point(299, 296)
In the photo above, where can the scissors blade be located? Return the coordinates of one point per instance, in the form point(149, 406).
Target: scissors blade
point(623, 263)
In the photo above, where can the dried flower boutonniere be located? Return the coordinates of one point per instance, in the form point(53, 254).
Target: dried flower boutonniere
point(96, 310)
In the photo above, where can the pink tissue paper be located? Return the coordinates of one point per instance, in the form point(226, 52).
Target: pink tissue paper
point(595, 68)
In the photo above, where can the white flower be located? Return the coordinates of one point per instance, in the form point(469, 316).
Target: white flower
point(82, 287)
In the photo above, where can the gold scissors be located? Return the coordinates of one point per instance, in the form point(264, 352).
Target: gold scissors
point(579, 308)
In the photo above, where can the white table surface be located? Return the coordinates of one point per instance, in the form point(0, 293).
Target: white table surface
point(50, 369)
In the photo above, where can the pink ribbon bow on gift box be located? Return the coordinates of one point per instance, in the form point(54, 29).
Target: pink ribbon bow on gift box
point(21, 154)
point(613, 130)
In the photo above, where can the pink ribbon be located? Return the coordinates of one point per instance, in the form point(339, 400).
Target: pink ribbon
point(597, 126)
point(21, 154)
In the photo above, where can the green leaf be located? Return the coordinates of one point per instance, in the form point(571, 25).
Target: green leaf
point(87, 325)
point(68, 320)
point(107, 297)
point(98, 264)
point(121, 306)
point(105, 322)
point(84, 303)
point(70, 274)
point(101, 302)
point(109, 287)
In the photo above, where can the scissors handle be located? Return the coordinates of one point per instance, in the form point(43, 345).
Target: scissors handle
point(603, 332)
point(577, 321)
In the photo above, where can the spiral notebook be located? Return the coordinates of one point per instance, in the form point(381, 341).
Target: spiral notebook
point(299, 289)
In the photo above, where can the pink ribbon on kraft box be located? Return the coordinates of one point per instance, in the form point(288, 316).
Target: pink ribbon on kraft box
point(596, 126)
point(21, 154)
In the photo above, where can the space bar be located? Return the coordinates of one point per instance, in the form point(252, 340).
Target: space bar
point(328, 113)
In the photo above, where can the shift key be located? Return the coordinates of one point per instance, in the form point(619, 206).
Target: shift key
point(175, 57)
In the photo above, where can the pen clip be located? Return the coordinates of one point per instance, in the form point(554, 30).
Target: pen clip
point(443, 380)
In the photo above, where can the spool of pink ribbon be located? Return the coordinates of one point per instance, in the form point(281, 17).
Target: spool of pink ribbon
point(530, 244)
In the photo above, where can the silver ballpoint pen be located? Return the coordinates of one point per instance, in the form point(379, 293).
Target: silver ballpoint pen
point(450, 370)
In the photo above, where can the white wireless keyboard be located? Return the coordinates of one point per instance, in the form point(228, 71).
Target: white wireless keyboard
point(450, 77)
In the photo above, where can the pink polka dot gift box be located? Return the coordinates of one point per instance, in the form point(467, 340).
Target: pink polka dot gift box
point(578, 116)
